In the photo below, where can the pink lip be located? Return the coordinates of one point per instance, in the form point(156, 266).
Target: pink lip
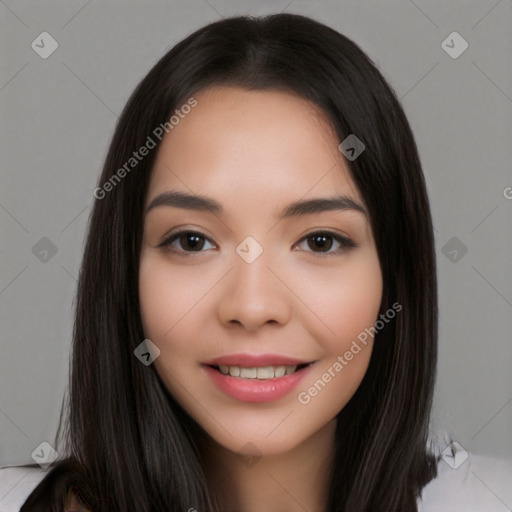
point(255, 390)
point(252, 360)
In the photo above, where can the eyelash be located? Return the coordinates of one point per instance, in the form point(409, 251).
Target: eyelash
point(345, 242)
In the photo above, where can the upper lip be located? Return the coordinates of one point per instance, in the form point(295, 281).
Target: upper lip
point(255, 360)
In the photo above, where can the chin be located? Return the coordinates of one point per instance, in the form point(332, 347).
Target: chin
point(248, 438)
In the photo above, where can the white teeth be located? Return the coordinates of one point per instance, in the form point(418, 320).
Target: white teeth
point(266, 372)
point(279, 371)
point(261, 373)
point(248, 373)
point(290, 369)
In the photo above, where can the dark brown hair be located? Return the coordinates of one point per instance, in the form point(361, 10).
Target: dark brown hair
point(127, 444)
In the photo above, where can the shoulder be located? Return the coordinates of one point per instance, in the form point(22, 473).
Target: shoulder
point(479, 484)
point(16, 484)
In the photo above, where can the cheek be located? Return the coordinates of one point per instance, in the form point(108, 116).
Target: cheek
point(346, 306)
point(169, 298)
point(342, 302)
point(170, 303)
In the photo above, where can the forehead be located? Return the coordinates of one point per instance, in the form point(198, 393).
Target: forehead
point(251, 147)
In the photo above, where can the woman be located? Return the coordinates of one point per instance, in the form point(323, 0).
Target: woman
point(256, 323)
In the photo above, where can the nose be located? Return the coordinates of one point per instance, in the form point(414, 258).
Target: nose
point(253, 295)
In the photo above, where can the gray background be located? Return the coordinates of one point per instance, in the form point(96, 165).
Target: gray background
point(58, 115)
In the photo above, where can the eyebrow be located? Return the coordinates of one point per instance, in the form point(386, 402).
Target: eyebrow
point(181, 199)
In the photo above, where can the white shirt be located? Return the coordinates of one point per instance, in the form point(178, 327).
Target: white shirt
point(478, 484)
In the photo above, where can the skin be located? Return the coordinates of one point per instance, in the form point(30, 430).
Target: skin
point(255, 152)
point(74, 504)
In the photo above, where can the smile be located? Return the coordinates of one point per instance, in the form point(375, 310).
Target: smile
point(248, 378)
point(260, 373)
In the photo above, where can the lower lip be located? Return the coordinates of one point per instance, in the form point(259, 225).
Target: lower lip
point(255, 390)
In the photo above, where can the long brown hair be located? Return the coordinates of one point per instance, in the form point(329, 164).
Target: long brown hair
point(127, 444)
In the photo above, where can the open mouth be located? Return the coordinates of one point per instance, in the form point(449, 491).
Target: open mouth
point(250, 381)
point(259, 372)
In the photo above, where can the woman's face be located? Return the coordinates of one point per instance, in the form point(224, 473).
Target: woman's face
point(259, 288)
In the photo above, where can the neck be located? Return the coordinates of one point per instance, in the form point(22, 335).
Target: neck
point(294, 481)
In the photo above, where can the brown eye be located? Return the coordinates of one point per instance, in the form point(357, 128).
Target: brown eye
point(185, 241)
point(321, 243)
point(191, 241)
